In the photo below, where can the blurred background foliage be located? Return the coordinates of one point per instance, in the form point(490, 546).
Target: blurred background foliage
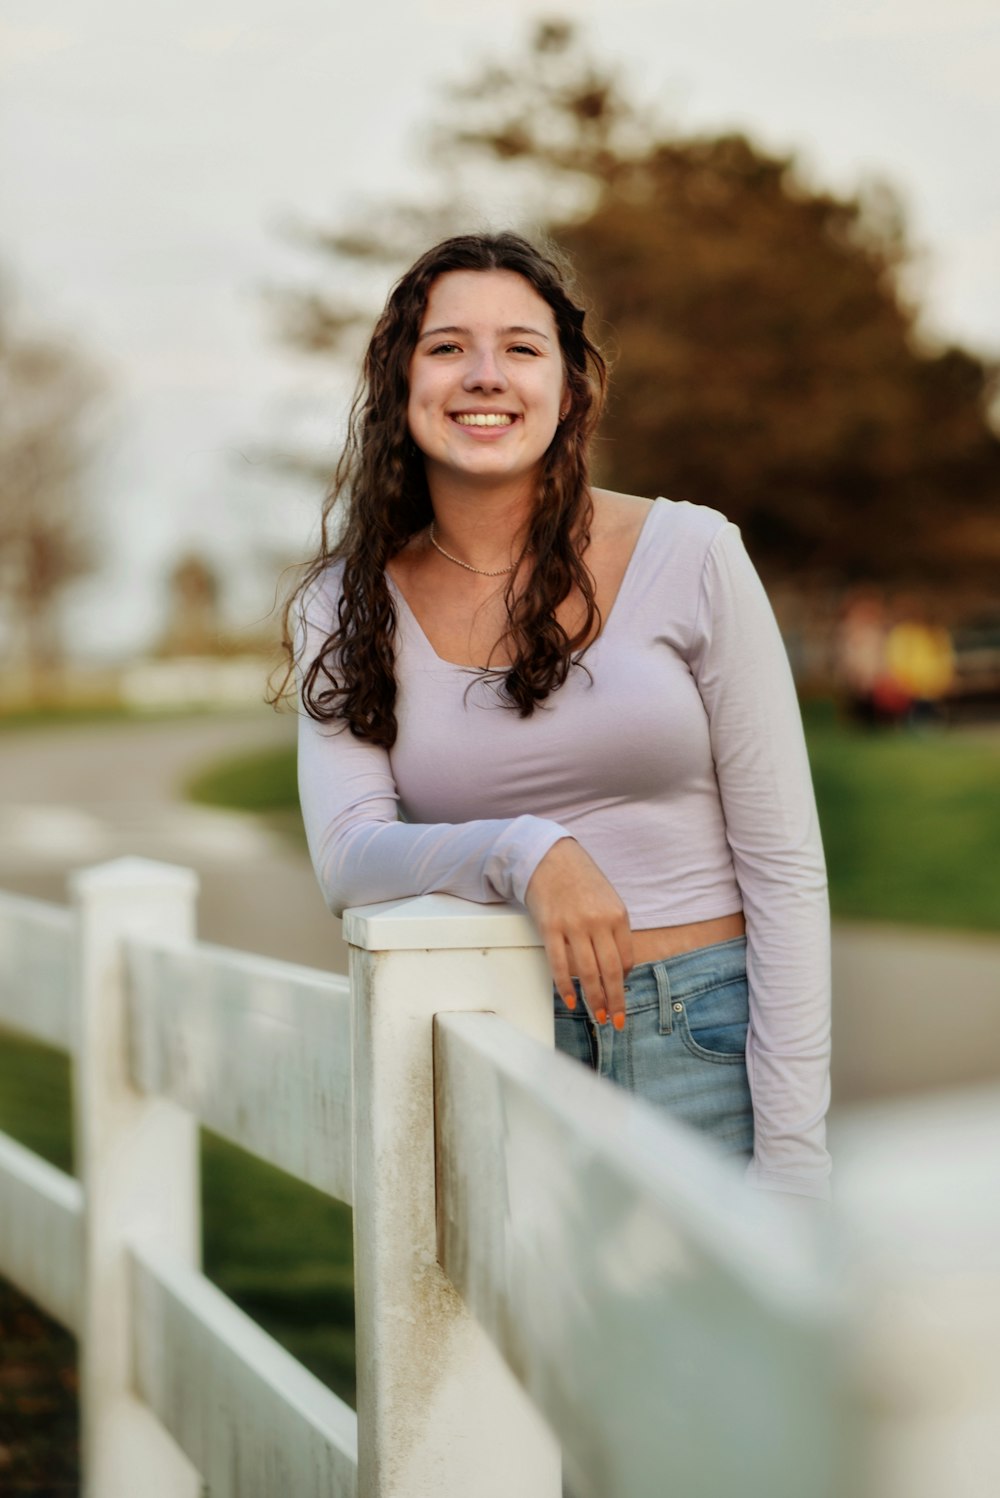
point(768, 360)
point(768, 351)
point(48, 538)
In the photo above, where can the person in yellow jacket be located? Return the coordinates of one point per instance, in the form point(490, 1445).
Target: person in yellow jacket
point(921, 661)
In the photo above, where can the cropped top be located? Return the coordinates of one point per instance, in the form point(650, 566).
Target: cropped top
point(673, 753)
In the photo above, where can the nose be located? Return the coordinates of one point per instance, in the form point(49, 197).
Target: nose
point(484, 372)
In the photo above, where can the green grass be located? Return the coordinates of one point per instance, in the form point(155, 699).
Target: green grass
point(283, 1252)
point(911, 822)
point(262, 782)
point(57, 717)
point(35, 1098)
point(70, 715)
point(279, 1248)
point(39, 1418)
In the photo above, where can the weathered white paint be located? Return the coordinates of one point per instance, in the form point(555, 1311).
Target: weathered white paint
point(41, 1210)
point(439, 921)
point(673, 1328)
point(252, 1419)
point(664, 1317)
point(918, 1218)
point(36, 970)
point(439, 1414)
point(138, 1167)
point(259, 1051)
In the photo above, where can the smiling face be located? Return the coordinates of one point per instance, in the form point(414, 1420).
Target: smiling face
point(486, 379)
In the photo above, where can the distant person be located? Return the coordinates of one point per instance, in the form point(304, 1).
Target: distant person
point(579, 699)
point(921, 658)
point(859, 655)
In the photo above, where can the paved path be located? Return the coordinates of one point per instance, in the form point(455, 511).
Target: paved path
point(78, 795)
point(912, 1009)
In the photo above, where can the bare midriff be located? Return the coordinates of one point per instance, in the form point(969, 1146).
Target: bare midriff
point(669, 941)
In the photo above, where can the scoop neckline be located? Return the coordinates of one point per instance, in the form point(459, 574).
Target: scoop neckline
point(490, 670)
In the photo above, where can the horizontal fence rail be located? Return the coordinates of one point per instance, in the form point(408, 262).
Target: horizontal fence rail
point(556, 1193)
point(259, 1051)
point(547, 1271)
point(41, 1231)
point(177, 1383)
point(36, 970)
point(254, 1422)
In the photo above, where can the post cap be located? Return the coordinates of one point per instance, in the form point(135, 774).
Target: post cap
point(132, 874)
point(438, 921)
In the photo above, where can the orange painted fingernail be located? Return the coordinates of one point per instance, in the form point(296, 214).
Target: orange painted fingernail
point(569, 999)
point(619, 1021)
point(602, 1016)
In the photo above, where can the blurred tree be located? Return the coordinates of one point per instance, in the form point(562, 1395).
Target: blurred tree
point(193, 624)
point(768, 362)
point(46, 531)
point(770, 367)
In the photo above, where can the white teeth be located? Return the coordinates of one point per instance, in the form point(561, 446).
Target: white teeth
point(484, 419)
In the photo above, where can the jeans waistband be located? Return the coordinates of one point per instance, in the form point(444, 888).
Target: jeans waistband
point(682, 976)
point(690, 972)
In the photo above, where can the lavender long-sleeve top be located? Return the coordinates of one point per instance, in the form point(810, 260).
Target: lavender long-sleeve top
point(676, 759)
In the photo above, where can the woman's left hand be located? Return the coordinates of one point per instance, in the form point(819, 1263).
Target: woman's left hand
point(584, 925)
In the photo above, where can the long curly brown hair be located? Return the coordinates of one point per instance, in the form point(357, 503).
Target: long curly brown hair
point(380, 489)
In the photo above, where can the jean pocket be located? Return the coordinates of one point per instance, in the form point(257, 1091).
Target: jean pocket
point(713, 1024)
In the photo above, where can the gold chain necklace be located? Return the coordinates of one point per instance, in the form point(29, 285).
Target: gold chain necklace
point(500, 572)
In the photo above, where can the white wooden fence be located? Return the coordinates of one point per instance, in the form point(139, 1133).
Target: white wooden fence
point(544, 1267)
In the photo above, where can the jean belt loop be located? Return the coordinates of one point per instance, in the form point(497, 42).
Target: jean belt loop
point(663, 993)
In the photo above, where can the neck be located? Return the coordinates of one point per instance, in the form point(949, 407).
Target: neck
point(484, 526)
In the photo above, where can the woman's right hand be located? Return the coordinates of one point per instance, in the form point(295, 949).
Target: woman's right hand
point(584, 925)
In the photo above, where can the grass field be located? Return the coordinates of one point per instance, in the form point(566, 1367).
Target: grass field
point(69, 715)
point(911, 822)
point(279, 1248)
point(264, 783)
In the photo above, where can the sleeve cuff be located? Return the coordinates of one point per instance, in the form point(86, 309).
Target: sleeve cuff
point(778, 1180)
point(518, 852)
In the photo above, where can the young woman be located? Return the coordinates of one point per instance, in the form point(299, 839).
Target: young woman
point(579, 699)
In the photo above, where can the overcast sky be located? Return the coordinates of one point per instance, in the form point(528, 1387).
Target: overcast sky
point(149, 154)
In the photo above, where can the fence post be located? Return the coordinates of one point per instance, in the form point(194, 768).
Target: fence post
point(439, 1413)
point(137, 1160)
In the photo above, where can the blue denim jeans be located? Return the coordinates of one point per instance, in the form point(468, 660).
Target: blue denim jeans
point(683, 1047)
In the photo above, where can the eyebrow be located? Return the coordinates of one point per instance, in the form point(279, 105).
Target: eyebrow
point(517, 328)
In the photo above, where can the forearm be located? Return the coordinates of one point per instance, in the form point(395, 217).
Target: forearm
point(362, 853)
point(486, 861)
